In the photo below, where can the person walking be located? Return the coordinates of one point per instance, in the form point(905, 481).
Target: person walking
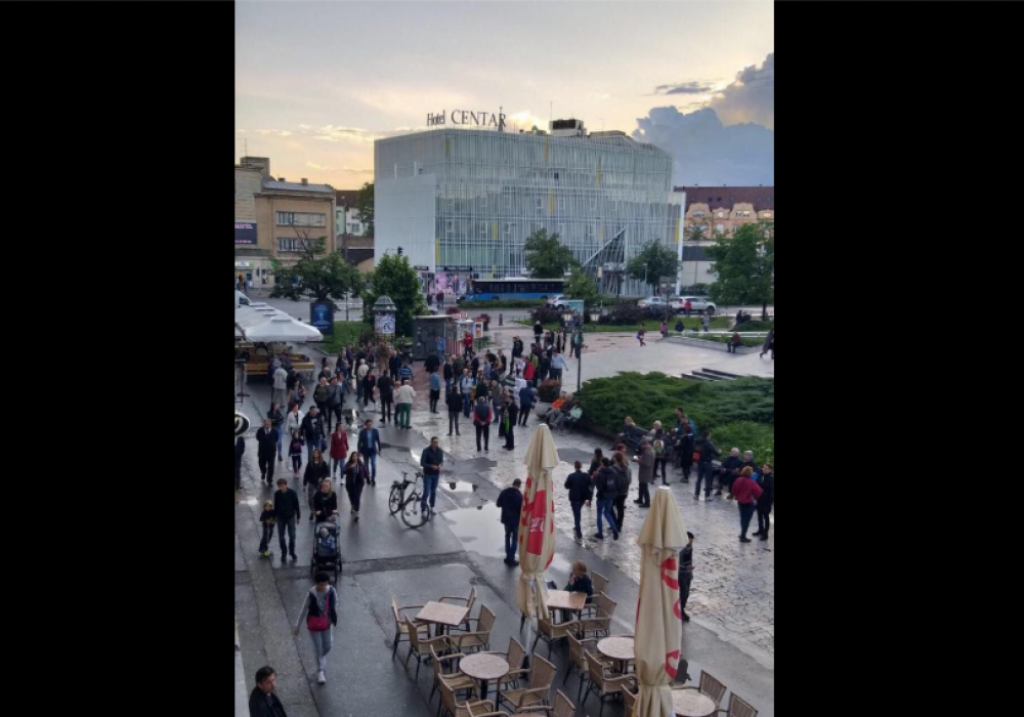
point(527, 399)
point(369, 446)
point(320, 611)
point(685, 576)
point(578, 485)
point(448, 371)
point(646, 474)
point(509, 423)
point(280, 385)
point(660, 459)
point(325, 502)
point(369, 383)
point(606, 485)
point(769, 343)
point(321, 394)
point(293, 420)
point(764, 504)
point(339, 448)
point(266, 440)
point(287, 513)
point(538, 331)
point(431, 461)
point(685, 450)
point(262, 700)
point(239, 452)
point(277, 421)
point(454, 402)
point(361, 373)
point(558, 365)
point(313, 432)
point(747, 493)
point(640, 336)
point(625, 479)
point(335, 402)
point(405, 373)
point(404, 397)
point(466, 385)
point(510, 501)
point(482, 418)
point(705, 321)
point(267, 520)
point(316, 470)
point(356, 476)
point(435, 391)
point(704, 451)
point(386, 394)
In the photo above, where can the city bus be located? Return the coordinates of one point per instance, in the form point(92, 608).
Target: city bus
point(493, 289)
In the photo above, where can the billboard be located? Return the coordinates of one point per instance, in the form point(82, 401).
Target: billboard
point(245, 233)
point(321, 317)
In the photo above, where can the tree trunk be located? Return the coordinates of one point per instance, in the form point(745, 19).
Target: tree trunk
point(764, 310)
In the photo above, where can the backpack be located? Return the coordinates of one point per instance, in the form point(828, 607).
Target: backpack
point(481, 412)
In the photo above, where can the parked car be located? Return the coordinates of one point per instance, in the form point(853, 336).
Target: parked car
point(697, 303)
point(558, 302)
point(652, 301)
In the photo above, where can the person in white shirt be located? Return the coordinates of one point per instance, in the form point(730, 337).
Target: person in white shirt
point(293, 422)
point(361, 374)
point(280, 384)
point(403, 405)
point(557, 365)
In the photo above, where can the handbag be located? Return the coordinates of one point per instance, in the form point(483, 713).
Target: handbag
point(320, 623)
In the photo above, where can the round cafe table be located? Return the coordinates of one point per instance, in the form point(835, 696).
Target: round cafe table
point(620, 649)
point(484, 666)
point(691, 703)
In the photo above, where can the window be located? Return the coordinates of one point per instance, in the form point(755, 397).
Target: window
point(561, 204)
point(483, 230)
point(508, 230)
point(767, 215)
point(698, 215)
point(449, 227)
point(540, 205)
point(290, 245)
point(720, 228)
point(301, 219)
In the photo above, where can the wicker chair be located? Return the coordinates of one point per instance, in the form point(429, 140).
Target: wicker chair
point(629, 702)
point(739, 707)
point(602, 623)
point(563, 707)
point(550, 631)
point(456, 680)
point(420, 646)
point(468, 602)
point(514, 657)
point(606, 685)
point(479, 639)
point(578, 660)
point(538, 690)
point(451, 706)
point(600, 582)
point(401, 629)
point(475, 711)
point(711, 687)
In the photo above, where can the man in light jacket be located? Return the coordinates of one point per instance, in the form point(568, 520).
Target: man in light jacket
point(646, 477)
point(403, 404)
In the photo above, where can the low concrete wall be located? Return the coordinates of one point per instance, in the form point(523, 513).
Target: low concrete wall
point(714, 345)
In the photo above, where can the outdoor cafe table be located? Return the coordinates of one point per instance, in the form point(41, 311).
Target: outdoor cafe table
point(620, 649)
point(691, 703)
point(484, 666)
point(442, 615)
point(565, 600)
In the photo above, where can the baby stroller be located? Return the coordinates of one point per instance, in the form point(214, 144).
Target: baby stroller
point(327, 549)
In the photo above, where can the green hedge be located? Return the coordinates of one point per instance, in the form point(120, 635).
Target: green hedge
point(650, 325)
point(738, 413)
point(755, 326)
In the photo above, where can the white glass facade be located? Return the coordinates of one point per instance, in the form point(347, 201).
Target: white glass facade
point(470, 198)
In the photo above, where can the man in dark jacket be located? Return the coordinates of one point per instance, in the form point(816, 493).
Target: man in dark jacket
point(287, 512)
point(335, 402)
point(394, 364)
point(606, 485)
point(764, 504)
point(239, 451)
point(266, 439)
point(706, 453)
point(578, 485)
point(685, 576)
point(623, 479)
point(448, 373)
point(511, 503)
point(321, 395)
point(483, 416)
point(431, 461)
point(386, 390)
point(369, 446)
point(313, 432)
point(730, 469)
point(262, 701)
point(454, 401)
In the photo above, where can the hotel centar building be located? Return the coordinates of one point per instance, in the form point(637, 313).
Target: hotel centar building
point(463, 201)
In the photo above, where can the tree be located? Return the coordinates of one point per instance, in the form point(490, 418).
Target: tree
point(321, 277)
point(744, 266)
point(395, 277)
point(581, 286)
point(364, 207)
point(654, 262)
point(546, 256)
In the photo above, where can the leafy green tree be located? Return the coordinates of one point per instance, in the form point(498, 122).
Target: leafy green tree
point(654, 263)
point(744, 267)
point(546, 256)
point(395, 277)
point(364, 207)
point(581, 286)
point(316, 275)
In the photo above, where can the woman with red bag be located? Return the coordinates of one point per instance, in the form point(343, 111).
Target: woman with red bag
point(320, 612)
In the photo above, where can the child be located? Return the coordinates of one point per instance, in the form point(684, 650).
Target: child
point(268, 517)
point(640, 336)
point(328, 541)
point(295, 451)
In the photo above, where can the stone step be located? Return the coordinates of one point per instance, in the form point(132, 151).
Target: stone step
point(711, 376)
point(723, 374)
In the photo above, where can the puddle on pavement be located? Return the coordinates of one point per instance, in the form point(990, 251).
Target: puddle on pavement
point(479, 529)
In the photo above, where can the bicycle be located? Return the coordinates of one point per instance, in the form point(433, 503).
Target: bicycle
point(397, 496)
point(414, 514)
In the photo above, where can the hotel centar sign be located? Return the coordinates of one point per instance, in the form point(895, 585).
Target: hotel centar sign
point(465, 117)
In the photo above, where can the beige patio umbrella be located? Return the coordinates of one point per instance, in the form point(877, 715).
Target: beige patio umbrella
point(537, 525)
point(659, 631)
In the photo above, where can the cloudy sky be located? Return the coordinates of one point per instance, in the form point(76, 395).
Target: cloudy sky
point(317, 82)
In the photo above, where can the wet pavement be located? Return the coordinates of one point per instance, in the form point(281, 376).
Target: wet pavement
point(731, 601)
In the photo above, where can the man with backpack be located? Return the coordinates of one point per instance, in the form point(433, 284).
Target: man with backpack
point(606, 485)
point(313, 432)
point(321, 395)
point(704, 452)
point(335, 402)
point(482, 419)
